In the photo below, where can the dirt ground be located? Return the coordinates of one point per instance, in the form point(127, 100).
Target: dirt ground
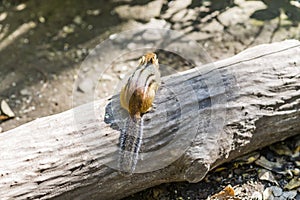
point(43, 46)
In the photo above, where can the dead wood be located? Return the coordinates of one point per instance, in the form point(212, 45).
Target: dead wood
point(203, 117)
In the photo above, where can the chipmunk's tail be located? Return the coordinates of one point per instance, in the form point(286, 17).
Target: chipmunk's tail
point(130, 143)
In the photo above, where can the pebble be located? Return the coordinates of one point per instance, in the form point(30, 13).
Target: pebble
point(281, 149)
point(42, 19)
point(265, 163)
point(257, 195)
point(176, 6)
point(266, 175)
point(6, 109)
point(25, 40)
point(77, 20)
point(296, 171)
point(90, 27)
point(277, 191)
point(25, 92)
point(106, 77)
point(3, 16)
point(157, 23)
point(293, 183)
point(21, 6)
point(93, 12)
point(86, 85)
point(113, 36)
point(1, 129)
point(289, 194)
point(120, 68)
point(179, 15)
point(68, 29)
point(131, 46)
point(267, 194)
point(122, 76)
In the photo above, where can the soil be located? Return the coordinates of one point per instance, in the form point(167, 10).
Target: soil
point(43, 46)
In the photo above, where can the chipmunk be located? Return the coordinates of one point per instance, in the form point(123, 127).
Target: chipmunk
point(137, 97)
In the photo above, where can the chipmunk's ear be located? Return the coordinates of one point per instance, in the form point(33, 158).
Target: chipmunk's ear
point(154, 59)
point(142, 60)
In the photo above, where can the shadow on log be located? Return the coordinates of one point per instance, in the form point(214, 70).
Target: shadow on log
point(203, 117)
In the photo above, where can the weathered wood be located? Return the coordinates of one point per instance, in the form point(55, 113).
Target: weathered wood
point(203, 117)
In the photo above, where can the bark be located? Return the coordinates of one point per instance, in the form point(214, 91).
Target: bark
point(202, 118)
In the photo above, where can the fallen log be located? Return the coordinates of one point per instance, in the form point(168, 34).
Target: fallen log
point(203, 117)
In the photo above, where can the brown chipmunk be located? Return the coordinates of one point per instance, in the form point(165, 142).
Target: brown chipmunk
point(137, 97)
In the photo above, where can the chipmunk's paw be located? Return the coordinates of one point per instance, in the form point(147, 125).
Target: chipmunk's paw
point(152, 108)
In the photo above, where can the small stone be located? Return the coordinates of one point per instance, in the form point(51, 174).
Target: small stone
point(177, 26)
point(158, 23)
point(68, 29)
point(179, 15)
point(6, 110)
point(266, 175)
point(25, 40)
point(1, 129)
point(281, 149)
point(122, 76)
point(296, 171)
point(106, 77)
point(86, 86)
point(77, 20)
point(213, 27)
point(265, 163)
point(42, 19)
point(120, 68)
point(144, 13)
point(93, 12)
point(31, 25)
point(267, 194)
point(157, 193)
point(176, 6)
point(66, 46)
point(90, 27)
point(113, 36)
point(257, 195)
point(3, 16)
point(21, 6)
point(25, 92)
point(277, 191)
point(78, 53)
point(294, 183)
point(289, 194)
point(131, 46)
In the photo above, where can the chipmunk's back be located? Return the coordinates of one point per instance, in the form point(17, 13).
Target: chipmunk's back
point(137, 97)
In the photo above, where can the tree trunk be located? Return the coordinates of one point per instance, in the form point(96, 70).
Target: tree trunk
point(202, 118)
